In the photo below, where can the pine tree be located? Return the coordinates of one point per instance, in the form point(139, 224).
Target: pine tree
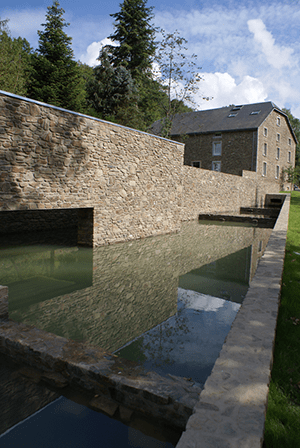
point(134, 35)
point(56, 77)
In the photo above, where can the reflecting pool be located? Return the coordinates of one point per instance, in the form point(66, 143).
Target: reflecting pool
point(165, 301)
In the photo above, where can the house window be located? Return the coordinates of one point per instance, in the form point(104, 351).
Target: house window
point(216, 166)
point(278, 137)
point(196, 163)
point(255, 112)
point(289, 156)
point(278, 121)
point(232, 115)
point(265, 132)
point(277, 153)
point(277, 172)
point(290, 141)
point(217, 135)
point(217, 148)
point(265, 149)
point(264, 171)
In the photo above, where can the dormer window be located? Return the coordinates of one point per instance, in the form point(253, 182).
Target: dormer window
point(255, 112)
point(232, 115)
point(236, 108)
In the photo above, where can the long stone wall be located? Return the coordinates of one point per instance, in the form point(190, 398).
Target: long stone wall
point(124, 183)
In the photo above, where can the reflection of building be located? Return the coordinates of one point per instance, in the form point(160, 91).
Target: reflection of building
point(252, 137)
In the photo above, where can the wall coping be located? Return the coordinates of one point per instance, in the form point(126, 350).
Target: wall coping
point(40, 103)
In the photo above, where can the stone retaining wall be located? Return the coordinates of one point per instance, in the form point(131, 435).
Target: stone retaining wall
point(132, 184)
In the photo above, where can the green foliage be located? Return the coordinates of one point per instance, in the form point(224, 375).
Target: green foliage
point(112, 91)
point(292, 174)
point(14, 62)
point(179, 76)
point(56, 78)
point(283, 414)
point(134, 35)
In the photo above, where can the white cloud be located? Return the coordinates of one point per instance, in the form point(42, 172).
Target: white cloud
point(278, 57)
point(224, 90)
point(93, 50)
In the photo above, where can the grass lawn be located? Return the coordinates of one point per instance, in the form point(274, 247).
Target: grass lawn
point(282, 427)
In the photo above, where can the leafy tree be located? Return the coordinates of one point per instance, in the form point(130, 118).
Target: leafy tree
point(56, 78)
point(14, 62)
point(178, 75)
point(135, 37)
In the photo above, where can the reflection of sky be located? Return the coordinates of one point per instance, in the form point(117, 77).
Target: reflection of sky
point(188, 343)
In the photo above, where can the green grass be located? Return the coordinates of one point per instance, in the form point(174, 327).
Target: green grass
point(282, 427)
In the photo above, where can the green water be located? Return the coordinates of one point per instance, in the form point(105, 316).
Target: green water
point(112, 295)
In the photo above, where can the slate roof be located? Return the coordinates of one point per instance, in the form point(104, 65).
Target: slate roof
point(240, 117)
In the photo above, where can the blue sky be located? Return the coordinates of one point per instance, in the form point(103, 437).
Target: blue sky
point(248, 51)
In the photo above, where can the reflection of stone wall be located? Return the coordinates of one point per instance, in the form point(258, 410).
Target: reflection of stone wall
point(134, 284)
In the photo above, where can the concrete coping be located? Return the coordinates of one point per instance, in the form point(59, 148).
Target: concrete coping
point(232, 406)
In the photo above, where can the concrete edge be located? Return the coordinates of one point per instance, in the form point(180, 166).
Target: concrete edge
point(232, 406)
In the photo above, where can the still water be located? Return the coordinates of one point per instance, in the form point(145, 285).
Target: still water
point(167, 302)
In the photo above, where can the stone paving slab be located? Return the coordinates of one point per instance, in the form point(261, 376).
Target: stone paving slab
point(232, 406)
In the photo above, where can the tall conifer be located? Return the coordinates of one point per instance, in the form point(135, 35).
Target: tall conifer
point(134, 35)
point(56, 76)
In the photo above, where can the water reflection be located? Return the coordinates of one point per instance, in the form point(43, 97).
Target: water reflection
point(113, 294)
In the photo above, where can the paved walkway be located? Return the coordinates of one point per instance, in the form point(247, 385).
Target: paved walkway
point(232, 406)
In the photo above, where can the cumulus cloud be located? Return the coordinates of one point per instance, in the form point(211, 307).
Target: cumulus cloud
point(93, 50)
point(223, 90)
point(276, 56)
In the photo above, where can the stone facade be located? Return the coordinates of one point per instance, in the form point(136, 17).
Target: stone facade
point(267, 150)
point(121, 184)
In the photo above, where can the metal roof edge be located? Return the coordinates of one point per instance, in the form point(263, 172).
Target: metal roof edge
point(50, 106)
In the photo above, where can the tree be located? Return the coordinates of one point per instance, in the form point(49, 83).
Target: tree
point(14, 62)
point(111, 91)
point(178, 75)
point(135, 37)
point(56, 78)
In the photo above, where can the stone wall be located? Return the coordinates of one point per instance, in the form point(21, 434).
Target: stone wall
point(52, 158)
point(125, 184)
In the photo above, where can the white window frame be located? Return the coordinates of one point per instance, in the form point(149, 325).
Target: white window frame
point(264, 170)
point(277, 172)
point(196, 162)
point(217, 148)
point(216, 166)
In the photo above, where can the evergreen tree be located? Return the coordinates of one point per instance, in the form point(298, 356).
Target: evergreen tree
point(112, 92)
point(134, 35)
point(56, 77)
point(14, 62)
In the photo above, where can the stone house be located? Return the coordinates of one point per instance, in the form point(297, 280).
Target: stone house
point(251, 137)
